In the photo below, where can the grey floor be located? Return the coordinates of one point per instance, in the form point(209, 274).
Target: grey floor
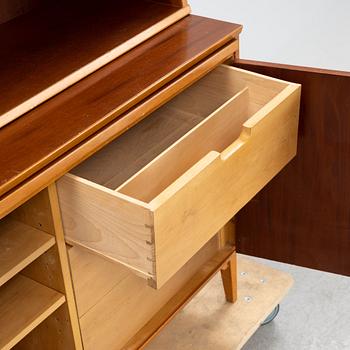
point(315, 315)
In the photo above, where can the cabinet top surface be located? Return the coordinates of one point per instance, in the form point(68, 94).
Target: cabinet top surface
point(50, 130)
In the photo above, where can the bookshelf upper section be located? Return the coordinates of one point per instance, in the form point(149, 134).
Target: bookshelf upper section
point(55, 44)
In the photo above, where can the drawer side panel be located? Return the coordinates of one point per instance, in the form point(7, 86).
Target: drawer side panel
point(100, 221)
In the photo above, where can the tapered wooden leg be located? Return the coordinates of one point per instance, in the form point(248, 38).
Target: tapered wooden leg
point(229, 271)
point(229, 279)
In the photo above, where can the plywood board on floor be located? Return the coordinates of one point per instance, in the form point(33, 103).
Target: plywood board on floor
point(209, 322)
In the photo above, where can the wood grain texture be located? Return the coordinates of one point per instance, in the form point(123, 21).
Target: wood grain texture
point(229, 279)
point(130, 152)
point(128, 303)
point(179, 300)
point(50, 334)
point(55, 50)
point(101, 275)
point(52, 270)
point(62, 122)
point(178, 3)
point(302, 216)
point(105, 222)
point(190, 330)
point(10, 9)
point(64, 163)
point(72, 317)
point(190, 210)
point(24, 304)
point(19, 246)
point(183, 197)
point(229, 271)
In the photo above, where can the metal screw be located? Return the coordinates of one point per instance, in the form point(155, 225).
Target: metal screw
point(262, 280)
point(243, 273)
point(248, 299)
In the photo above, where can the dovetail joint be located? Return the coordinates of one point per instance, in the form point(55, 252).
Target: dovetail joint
point(152, 283)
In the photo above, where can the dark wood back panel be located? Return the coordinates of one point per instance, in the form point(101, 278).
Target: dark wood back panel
point(303, 216)
point(10, 9)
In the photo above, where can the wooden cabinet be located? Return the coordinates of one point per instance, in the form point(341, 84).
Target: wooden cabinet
point(135, 113)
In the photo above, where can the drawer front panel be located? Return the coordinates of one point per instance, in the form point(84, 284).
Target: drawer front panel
point(213, 191)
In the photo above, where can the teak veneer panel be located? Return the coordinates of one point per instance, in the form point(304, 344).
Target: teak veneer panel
point(24, 304)
point(10, 9)
point(20, 245)
point(54, 127)
point(302, 216)
point(59, 43)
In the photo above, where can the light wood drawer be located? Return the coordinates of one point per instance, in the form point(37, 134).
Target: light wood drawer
point(153, 197)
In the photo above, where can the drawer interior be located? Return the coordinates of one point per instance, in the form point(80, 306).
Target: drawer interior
point(208, 116)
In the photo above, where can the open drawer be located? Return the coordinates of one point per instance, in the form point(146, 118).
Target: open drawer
point(154, 196)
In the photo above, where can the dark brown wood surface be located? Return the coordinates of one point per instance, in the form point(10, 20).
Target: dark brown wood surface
point(303, 216)
point(42, 135)
point(10, 9)
point(178, 3)
point(49, 43)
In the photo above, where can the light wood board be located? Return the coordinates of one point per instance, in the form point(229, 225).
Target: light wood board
point(209, 322)
point(24, 304)
point(20, 245)
point(51, 269)
point(114, 303)
point(123, 231)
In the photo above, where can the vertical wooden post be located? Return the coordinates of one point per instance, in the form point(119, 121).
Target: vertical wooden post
point(229, 272)
point(229, 279)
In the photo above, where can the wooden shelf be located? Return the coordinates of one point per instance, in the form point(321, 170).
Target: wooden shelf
point(19, 246)
point(55, 45)
point(24, 304)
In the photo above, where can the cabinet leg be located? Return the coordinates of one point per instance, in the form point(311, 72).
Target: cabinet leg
point(229, 271)
point(229, 279)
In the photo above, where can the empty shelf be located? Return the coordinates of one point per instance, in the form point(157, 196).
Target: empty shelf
point(19, 246)
point(24, 304)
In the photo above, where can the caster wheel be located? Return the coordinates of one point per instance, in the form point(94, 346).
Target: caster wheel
point(272, 316)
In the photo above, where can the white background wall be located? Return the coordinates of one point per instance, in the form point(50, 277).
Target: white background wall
point(312, 33)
